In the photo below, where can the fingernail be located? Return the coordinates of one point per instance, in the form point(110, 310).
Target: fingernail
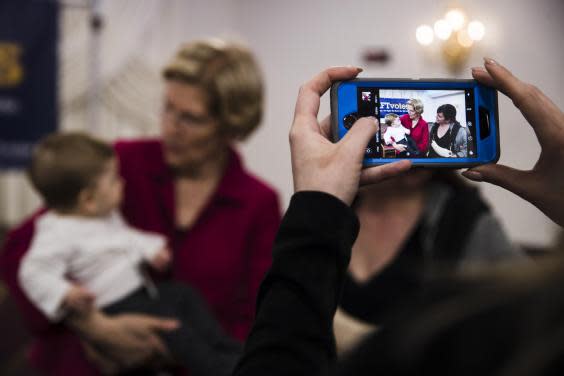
point(358, 69)
point(478, 69)
point(473, 175)
point(490, 61)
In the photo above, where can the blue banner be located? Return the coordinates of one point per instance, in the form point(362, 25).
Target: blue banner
point(28, 77)
point(396, 106)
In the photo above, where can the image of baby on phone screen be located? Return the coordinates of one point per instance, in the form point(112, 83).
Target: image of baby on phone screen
point(84, 255)
point(397, 136)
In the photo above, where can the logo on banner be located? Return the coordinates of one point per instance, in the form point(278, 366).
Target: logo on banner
point(397, 106)
point(11, 69)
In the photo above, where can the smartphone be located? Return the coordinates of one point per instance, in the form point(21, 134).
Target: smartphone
point(432, 122)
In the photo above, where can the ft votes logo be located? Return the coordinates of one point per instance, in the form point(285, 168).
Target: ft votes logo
point(11, 70)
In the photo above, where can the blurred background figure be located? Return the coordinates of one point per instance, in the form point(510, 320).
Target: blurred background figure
point(190, 186)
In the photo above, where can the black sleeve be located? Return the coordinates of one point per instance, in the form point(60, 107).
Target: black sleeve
point(293, 330)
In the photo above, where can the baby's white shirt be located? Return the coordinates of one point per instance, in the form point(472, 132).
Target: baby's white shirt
point(102, 254)
point(398, 134)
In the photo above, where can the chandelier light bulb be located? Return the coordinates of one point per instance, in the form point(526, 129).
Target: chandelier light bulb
point(456, 19)
point(464, 39)
point(424, 35)
point(442, 29)
point(476, 30)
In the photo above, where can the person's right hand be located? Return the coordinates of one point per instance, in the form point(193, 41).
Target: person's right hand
point(129, 340)
point(543, 186)
point(321, 165)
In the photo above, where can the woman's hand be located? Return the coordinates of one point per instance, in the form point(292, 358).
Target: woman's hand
point(440, 150)
point(543, 186)
point(127, 340)
point(399, 147)
point(334, 168)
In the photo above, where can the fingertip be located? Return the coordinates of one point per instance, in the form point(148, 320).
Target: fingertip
point(473, 175)
point(174, 324)
point(489, 61)
point(405, 164)
point(355, 68)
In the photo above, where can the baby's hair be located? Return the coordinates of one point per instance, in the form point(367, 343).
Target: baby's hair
point(63, 164)
point(389, 118)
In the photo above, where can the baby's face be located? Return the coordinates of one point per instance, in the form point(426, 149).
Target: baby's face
point(108, 191)
point(396, 123)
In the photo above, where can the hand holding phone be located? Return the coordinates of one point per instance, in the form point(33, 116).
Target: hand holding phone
point(438, 123)
point(320, 165)
point(544, 183)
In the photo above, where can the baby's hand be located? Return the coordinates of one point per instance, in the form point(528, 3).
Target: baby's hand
point(78, 299)
point(161, 260)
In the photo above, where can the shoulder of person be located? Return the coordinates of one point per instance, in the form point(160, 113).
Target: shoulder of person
point(137, 148)
point(241, 182)
point(256, 187)
point(462, 131)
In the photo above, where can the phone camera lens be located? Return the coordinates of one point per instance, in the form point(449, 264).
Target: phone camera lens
point(349, 120)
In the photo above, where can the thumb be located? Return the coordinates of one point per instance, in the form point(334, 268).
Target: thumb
point(356, 140)
point(516, 181)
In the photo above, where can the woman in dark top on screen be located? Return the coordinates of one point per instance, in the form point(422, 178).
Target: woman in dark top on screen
point(448, 138)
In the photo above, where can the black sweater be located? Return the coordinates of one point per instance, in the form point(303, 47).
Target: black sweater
point(292, 333)
point(492, 326)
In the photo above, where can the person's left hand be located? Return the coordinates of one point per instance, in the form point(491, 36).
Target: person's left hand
point(334, 168)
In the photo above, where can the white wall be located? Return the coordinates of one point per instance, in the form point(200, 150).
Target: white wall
point(295, 39)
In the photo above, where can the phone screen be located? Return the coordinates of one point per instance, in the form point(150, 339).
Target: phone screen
point(418, 123)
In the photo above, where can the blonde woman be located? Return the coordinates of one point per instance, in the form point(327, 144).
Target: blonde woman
point(415, 123)
point(189, 185)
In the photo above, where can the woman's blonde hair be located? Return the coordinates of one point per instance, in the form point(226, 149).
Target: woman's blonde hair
point(230, 76)
point(416, 104)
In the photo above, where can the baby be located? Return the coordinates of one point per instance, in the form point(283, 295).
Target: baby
point(83, 254)
point(397, 136)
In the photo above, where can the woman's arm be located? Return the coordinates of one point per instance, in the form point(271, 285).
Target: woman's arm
point(292, 333)
point(461, 143)
point(423, 142)
point(440, 150)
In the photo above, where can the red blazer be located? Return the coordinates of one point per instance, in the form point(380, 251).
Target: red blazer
point(224, 255)
point(420, 133)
